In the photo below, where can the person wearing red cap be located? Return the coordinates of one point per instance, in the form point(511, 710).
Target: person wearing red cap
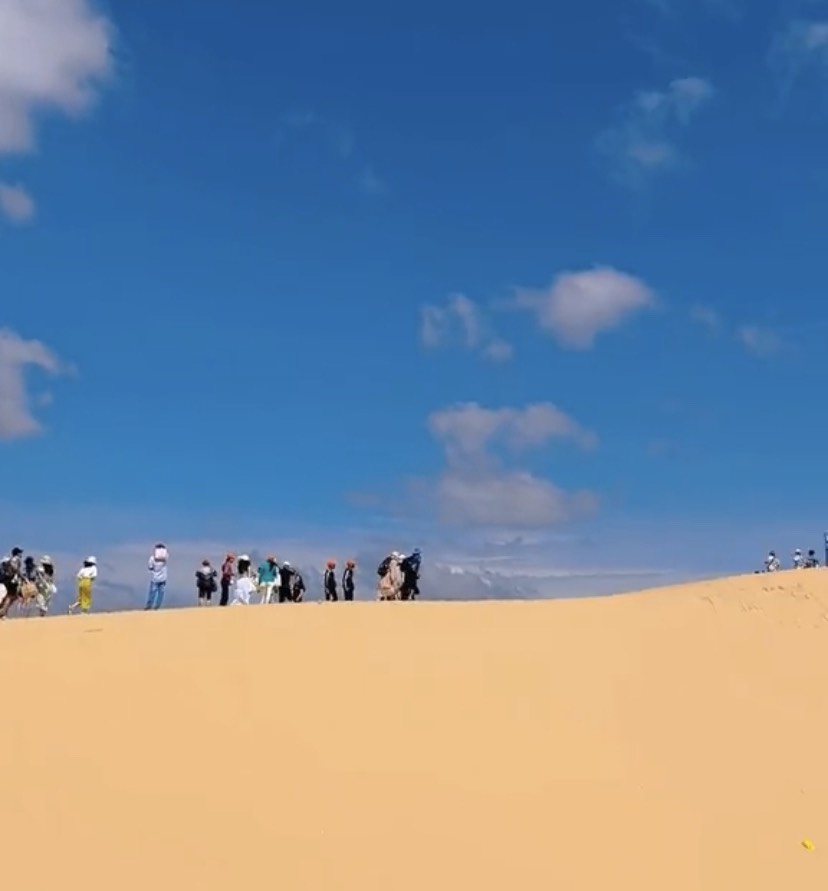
point(228, 570)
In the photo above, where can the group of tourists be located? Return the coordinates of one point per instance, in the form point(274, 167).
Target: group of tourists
point(27, 582)
point(26, 579)
point(798, 561)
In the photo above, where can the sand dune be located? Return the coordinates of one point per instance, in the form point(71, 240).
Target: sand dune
point(675, 739)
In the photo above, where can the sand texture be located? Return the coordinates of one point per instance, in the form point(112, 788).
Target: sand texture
point(675, 739)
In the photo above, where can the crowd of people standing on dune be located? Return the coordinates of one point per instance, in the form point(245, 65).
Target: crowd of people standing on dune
point(27, 582)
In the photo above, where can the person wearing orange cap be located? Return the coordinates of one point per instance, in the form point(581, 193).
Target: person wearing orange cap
point(330, 581)
point(228, 571)
point(348, 586)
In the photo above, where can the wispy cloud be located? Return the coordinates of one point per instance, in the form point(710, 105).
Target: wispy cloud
point(16, 204)
point(55, 55)
point(801, 47)
point(578, 306)
point(727, 8)
point(16, 355)
point(461, 323)
point(708, 319)
point(758, 340)
point(371, 183)
point(643, 142)
point(340, 139)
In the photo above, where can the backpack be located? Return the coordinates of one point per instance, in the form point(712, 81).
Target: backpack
point(382, 569)
point(7, 571)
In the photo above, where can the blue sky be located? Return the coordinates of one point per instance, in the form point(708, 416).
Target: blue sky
point(523, 284)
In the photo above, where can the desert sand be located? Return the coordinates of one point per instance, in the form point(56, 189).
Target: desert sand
point(674, 739)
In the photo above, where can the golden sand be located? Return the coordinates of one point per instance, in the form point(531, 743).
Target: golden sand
point(675, 739)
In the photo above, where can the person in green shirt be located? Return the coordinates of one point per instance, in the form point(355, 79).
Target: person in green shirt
point(266, 579)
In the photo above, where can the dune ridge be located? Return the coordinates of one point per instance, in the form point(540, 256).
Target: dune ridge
point(671, 739)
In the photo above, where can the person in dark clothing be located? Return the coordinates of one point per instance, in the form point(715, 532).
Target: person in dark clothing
point(286, 574)
point(811, 561)
point(205, 582)
point(11, 579)
point(348, 586)
point(410, 567)
point(298, 590)
point(227, 571)
point(330, 581)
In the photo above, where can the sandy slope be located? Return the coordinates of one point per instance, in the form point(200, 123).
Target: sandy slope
point(676, 739)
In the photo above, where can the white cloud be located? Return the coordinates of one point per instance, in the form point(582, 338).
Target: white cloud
point(578, 306)
point(643, 140)
point(53, 56)
point(475, 490)
point(16, 354)
point(16, 204)
point(461, 322)
point(759, 341)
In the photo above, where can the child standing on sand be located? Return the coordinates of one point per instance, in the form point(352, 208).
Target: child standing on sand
point(86, 581)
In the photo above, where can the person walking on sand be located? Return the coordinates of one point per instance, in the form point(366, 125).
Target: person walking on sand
point(348, 585)
point(390, 583)
point(298, 587)
point(267, 579)
point(228, 571)
point(330, 581)
point(46, 587)
point(205, 582)
point(286, 575)
point(11, 580)
point(157, 566)
point(86, 577)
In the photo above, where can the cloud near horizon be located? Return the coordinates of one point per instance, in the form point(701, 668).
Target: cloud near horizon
point(16, 354)
point(477, 490)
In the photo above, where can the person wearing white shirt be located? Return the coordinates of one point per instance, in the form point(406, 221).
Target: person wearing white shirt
point(243, 590)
